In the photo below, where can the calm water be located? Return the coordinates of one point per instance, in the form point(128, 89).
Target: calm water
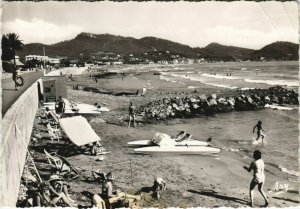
point(234, 130)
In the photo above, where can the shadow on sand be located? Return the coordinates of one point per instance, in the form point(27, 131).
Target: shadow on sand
point(286, 199)
point(215, 195)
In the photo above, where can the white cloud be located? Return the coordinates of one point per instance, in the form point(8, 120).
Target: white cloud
point(40, 31)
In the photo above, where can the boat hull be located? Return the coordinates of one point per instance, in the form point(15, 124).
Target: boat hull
point(181, 150)
point(191, 142)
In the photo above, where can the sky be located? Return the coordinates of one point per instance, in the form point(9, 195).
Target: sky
point(244, 24)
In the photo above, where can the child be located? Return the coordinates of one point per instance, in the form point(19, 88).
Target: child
point(259, 130)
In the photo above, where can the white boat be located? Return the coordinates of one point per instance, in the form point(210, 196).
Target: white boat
point(182, 150)
point(191, 142)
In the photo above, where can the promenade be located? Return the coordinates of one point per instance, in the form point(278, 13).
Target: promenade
point(10, 95)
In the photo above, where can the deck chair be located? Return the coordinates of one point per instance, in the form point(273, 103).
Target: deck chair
point(54, 133)
point(97, 176)
point(62, 166)
point(54, 118)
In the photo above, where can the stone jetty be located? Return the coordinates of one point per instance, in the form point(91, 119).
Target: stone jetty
point(191, 106)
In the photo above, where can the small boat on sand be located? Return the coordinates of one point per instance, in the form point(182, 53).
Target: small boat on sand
point(164, 144)
point(190, 142)
point(162, 138)
point(182, 150)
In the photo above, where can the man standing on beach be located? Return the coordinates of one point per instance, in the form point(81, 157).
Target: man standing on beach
point(131, 114)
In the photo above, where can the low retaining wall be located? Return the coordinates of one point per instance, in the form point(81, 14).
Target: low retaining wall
point(17, 126)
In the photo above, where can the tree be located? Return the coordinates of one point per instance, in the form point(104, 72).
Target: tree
point(10, 44)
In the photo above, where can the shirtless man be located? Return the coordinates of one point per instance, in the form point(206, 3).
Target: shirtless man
point(131, 114)
point(259, 130)
point(258, 167)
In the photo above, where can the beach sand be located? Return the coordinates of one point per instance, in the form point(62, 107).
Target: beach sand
point(192, 181)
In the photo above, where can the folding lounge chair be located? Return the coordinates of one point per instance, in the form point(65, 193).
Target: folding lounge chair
point(63, 166)
point(54, 133)
point(54, 118)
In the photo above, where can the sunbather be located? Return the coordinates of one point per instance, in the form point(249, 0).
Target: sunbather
point(58, 185)
point(97, 149)
point(114, 195)
point(186, 137)
point(45, 197)
point(180, 135)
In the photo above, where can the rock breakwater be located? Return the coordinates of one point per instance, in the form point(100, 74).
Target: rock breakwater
point(191, 106)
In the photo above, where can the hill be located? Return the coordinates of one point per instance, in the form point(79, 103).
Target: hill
point(86, 43)
point(277, 51)
point(219, 51)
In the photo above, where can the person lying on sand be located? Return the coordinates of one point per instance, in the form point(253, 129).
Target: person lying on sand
point(258, 167)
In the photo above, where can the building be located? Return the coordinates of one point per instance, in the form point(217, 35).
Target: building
point(42, 58)
point(36, 57)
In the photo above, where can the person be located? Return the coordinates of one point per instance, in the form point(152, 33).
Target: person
point(46, 113)
point(114, 195)
point(180, 135)
point(97, 148)
point(44, 197)
point(14, 77)
point(258, 167)
point(60, 105)
point(131, 114)
point(59, 186)
point(98, 202)
point(259, 130)
point(159, 186)
point(144, 90)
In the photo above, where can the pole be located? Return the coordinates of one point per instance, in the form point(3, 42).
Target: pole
point(131, 173)
point(28, 153)
point(44, 59)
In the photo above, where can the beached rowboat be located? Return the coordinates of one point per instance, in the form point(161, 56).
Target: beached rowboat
point(181, 150)
point(191, 142)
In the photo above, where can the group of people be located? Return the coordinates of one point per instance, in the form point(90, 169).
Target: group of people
point(51, 193)
point(112, 196)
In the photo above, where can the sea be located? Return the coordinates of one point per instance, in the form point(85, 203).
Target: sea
point(233, 131)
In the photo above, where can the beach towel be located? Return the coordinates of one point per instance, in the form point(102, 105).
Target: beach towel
point(78, 130)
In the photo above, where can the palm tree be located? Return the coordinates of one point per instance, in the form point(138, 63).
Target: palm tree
point(15, 44)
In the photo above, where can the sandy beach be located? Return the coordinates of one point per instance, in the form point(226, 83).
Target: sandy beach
point(192, 181)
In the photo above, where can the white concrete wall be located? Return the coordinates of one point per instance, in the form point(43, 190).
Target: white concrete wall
point(14, 146)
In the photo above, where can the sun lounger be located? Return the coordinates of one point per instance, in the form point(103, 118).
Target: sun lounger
point(54, 117)
point(62, 165)
point(55, 134)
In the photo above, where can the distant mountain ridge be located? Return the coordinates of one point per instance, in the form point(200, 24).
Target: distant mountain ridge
point(88, 43)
